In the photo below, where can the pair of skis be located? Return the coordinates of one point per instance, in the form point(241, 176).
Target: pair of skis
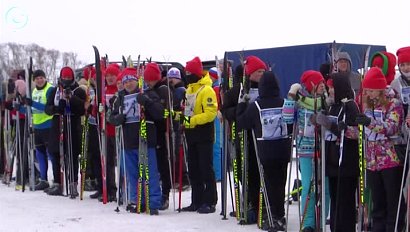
point(29, 133)
point(224, 136)
point(143, 168)
point(364, 192)
point(101, 120)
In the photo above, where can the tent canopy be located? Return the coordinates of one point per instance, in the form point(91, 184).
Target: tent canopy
point(288, 63)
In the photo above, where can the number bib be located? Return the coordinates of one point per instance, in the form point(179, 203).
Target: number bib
point(329, 136)
point(190, 100)
point(405, 95)
point(378, 116)
point(253, 94)
point(273, 126)
point(37, 97)
point(309, 128)
point(131, 108)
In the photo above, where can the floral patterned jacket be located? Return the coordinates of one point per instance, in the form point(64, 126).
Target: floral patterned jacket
point(380, 153)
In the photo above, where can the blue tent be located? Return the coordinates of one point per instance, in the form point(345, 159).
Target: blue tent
point(288, 63)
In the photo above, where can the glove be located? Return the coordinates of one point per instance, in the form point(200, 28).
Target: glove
point(341, 126)
point(176, 115)
point(322, 120)
point(294, 90)
point(142, 99)
point(362, 119)
point(100, 108)
point(244, 98)
point(185, 121)
point(67, 93)
point(28, 101)
point(61, 105)
point(119, 119)
point(166, 113)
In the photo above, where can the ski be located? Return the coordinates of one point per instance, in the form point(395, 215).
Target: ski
point(29, 123)
point(61, 146)
point(364, 193)
point(84, 144)
point(100, 94)
point(143, 147)
point(243, 138)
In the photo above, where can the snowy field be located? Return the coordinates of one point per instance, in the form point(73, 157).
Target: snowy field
point(36, 211)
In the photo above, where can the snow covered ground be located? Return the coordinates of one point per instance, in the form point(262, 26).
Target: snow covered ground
point(36, 211)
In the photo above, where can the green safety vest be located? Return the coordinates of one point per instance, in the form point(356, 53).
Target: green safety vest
point(41, 97)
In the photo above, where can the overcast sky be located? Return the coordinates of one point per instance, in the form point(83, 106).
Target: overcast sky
point(178, 30)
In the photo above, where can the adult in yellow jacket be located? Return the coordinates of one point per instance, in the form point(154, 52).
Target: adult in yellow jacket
point(199, 114)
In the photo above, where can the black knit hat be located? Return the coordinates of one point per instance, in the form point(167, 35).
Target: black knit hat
point(38, 73)
point(325, 70)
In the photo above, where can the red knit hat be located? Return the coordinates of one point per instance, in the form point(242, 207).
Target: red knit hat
point(387, 62)
point(380, 60)
point(152, 72)
point(67, 73)
point(391, 67)
point(112, 69)
point(194, 66)
point(253, 64)
point(129, 74)
point(311, 78)
point(374, 79)
point(89, 71)
point(403, 55)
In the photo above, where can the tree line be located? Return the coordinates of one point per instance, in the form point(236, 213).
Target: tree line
point(14, 56)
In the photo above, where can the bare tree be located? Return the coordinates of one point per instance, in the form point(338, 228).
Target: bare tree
point(52, 59)
point(16, 56)
point(66, 58)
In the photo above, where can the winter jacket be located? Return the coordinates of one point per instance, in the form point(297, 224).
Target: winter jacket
point(305, 134)
point(203, 112)
point(380, 152)
point(153, 110)
point(77, 110)
point(39, 96)
point(348, 112)
point(401, 85)
point(271, 146)
point(230, 101)
point(178, 94)
point(162, 90)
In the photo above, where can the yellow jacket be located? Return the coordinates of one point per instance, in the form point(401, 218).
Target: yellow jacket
point(206, 105)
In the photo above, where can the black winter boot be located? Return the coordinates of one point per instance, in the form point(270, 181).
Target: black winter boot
point(164, 203)
point(56, 190)
point(95, 195)
point(42, 185)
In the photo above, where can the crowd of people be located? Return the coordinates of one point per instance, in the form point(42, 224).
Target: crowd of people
point(160, 129)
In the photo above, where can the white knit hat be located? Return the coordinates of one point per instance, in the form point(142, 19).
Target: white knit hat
point(174, 73)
